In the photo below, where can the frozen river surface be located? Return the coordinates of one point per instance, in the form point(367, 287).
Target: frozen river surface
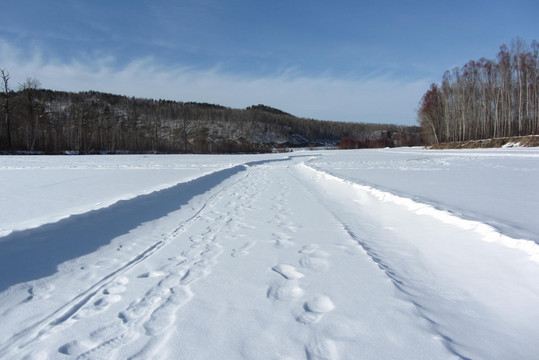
point(372, 254)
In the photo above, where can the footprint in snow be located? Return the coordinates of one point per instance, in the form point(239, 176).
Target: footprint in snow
point(99, 345)
point(164, 316)
point(179, 259)
point(114, 289)
point(239, 225)
point(105, 301)
point(314, 263)
point(151, 274)
point(287, 271)
point(319, 304)
point(293, 228)
point(319, 349)
point(284, 292)
point(314, 259)
point(117, 286)
point(110, 295)
point(193, 274)
point(39, 291)
point(281, 240)
point(309, 249)
point(73, 348)
point(196, 238)
point(314, 309)
point(242, 250)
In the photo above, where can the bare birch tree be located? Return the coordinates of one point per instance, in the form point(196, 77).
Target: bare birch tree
point(5, 89)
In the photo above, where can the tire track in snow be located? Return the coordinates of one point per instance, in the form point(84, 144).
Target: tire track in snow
point(156, 311)
point(67, 314)
point(400, 282)
point(68, 311)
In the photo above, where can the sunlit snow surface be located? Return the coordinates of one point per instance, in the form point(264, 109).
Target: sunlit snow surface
point(498, 187)
point(371, 254)
point(47, 188)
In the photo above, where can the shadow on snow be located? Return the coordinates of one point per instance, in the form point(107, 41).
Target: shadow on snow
point(36, 253)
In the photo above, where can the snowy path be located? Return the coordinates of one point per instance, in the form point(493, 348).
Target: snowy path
point(276, 260)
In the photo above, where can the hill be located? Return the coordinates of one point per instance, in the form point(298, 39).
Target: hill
point(93, 122)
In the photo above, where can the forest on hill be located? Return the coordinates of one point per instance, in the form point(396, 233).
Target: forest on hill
point(47, 121)
point(485, 99)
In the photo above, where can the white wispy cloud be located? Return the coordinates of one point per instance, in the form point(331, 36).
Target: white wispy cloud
point(375, 99)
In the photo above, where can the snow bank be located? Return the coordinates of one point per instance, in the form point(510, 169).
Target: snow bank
point(487, 232)
point(491, 186)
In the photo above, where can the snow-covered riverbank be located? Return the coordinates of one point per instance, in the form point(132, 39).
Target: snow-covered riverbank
point(392, 253)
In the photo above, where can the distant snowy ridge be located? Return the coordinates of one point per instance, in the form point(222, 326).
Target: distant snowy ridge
point(487, 232)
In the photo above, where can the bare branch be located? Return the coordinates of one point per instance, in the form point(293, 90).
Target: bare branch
point(30, 84)
point(5, 79)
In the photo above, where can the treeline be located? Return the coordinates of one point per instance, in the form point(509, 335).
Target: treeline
point(486, 98)
point(37, 120)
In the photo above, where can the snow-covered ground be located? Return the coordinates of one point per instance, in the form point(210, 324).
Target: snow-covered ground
point(49, 188)
point(371, 254)
point(497, 187)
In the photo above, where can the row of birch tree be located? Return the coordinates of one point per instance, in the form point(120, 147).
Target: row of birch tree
point(486, 98)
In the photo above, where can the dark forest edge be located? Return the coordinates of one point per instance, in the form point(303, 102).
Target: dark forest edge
point(56, 122)
point(505, 142)
point(485, 99)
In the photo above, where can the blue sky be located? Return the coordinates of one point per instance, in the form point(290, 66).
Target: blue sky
point(331, 60)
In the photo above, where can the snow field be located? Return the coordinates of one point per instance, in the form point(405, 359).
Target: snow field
point(463, 286)
point(492, 186)
point(50, 188)
point(261, 259)
point(487, 233)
